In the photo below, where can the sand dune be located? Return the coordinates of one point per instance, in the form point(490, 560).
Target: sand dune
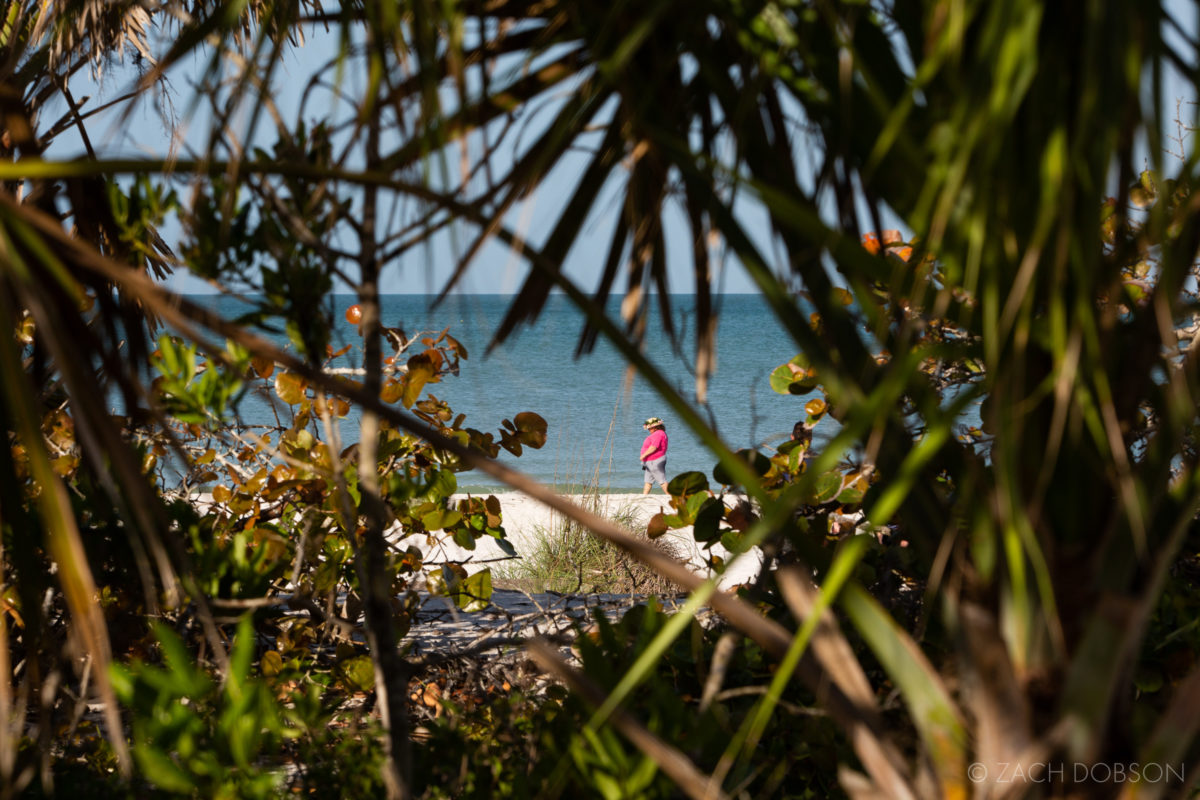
point(523, 516)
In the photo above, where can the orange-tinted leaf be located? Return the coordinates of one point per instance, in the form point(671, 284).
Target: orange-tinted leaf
point(392, 391)
point(290, 387)
point(420, 372)
point(456, 346)
point(532, 428)
point(256, 482)
point(272, 663)
point(740, 517)
point(492, 506)
point(263, 366)
point(65, 465)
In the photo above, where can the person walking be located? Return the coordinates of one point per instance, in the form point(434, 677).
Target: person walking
point(654, 455)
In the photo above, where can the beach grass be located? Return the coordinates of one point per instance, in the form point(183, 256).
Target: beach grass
point(565, 558)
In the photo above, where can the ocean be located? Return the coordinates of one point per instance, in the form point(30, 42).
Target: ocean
point(593, 410)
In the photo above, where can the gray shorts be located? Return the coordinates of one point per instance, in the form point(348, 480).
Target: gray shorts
point(656, 470)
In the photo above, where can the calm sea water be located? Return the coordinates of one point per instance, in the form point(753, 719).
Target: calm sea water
point(594, 413)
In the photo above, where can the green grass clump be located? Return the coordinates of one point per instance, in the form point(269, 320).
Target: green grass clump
point(566, 558)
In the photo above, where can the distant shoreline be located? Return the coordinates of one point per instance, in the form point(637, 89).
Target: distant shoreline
point(455, 294)
point(568, 491)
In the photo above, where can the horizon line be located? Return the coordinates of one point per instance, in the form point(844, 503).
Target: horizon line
point(470, 294)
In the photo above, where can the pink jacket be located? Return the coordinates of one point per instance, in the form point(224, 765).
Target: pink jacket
point(655, 445)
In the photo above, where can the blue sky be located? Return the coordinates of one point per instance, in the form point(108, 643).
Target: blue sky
point(425, 269)
point(422, 270)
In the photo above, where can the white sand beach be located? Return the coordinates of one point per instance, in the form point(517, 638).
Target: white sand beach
point(523, 517)
point(520, 614)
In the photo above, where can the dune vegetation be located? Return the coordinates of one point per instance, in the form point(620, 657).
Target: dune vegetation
point(974, 219)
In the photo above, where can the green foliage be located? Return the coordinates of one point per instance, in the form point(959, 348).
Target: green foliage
point(1050, 535)
point(193, 736)
point(518, 744)
point(341, 760)
point(193, 395)
point(273, 491)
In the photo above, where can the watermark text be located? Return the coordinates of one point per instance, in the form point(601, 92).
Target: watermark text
point(1065, 772)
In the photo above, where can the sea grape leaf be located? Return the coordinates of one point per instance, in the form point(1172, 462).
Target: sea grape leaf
point(708, 520)
point(850, 496)
point(510, 443)
point(263, 366)
point(855, 487)
point(391, 391)
point(357, 674)
point(694, 503)
point(687, 483)
point(441, 519)
point(456, 346)
point(442, 485)
point(757, 461)
point(781, 379)
point(453, 576)
point(325, 577)
point(290, 387)
point(532, 428)
point(463, 537)
point(475, 593)
point(657, 526)
point(733, 540)
point(827, 487)
point(420, 372)
point(794, 377)
point(492, 505)
point(740, 517)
